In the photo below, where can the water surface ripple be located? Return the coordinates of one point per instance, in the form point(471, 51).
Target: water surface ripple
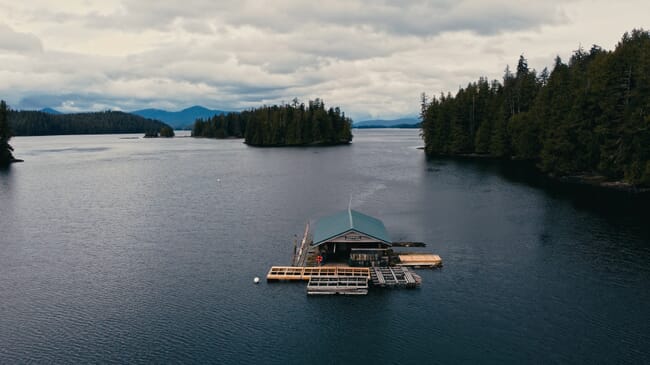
point(143, 251)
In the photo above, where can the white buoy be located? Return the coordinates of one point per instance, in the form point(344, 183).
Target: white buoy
point(218, 180)
point(256, 280)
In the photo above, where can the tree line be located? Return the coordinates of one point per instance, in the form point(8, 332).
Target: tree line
point(6, 155)
point(164, 132)
point(37, 123)
point(590, 116)
point(294, 124)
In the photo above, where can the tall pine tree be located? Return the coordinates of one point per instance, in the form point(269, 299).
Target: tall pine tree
point(6, 156)
point(587, 117)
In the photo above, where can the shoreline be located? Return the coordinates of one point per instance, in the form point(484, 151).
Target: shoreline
point(601, 182)
point(12, 161)
point(313, 144)
point(584, 179)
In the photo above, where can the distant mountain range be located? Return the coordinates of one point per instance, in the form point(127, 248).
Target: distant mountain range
point(177, 120)
point(388, 123)
point(186, 117)
point(181, 119)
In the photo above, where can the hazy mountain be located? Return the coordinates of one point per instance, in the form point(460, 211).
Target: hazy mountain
point(388, 123)
point(181, 119)
point(51, 111)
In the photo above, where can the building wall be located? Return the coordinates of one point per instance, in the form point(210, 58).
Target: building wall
point(355, 237)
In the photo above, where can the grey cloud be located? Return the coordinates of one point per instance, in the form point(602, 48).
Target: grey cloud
point(192, 26)
point(292, 35)
point(40, 101)
point(13, 41)
point(493, 50)
point(73, 102)
point(35, 102)
point(372, 58)
point(417, 17)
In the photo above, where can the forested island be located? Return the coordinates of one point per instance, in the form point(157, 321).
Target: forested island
point(286, 125)
point(38, 123)
point(6, 155)
point(588, 119)
point(164, 132)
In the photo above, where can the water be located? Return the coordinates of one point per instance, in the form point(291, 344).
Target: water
point(133, 250)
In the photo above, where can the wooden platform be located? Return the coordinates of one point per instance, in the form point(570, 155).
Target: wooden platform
point(394, 277)
point(343, 285)
point(305, 273)
point(420, 260)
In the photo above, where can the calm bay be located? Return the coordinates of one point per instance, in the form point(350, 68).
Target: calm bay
point(144, 250)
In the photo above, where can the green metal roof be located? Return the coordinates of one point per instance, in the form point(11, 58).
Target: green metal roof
point(335, 225)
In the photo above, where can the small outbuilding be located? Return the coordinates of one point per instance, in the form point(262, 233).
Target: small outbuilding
point(349, 231)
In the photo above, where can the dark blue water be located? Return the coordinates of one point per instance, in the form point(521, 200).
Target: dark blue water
point(120, 250)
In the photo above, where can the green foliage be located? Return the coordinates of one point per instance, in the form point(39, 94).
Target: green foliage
point(220, 126)
point(590, 116)
point(166, 132)
point(286, 125)
point(36, 123)
point(6, 156)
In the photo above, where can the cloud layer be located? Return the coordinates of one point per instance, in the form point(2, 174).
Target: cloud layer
point(373, 58)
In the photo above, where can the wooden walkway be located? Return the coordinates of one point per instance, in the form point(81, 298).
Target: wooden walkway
point(394, 277)
point(301, 252)
point(345, 285)
point(305, 273)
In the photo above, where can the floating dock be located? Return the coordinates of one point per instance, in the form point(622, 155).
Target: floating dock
point(357, 253)
point(346, 280)
point(395, 277)
point(419, 260)
point(305, 273)
point(344, 285)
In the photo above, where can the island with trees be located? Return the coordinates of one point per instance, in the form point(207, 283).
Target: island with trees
point(38, 123)
point(164, 132)
point(587, 121)
point(6, 151)
point(292, 124)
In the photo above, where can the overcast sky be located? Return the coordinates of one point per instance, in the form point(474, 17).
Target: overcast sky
point(372, 58)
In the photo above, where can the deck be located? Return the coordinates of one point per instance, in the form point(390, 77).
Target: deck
point(305, 273)
point(420, 260)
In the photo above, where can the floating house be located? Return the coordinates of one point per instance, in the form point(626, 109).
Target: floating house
point(350, 236)
point(349, 251)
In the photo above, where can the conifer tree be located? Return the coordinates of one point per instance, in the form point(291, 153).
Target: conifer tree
point(6, 156)
point(589, 116)
point(280, 125)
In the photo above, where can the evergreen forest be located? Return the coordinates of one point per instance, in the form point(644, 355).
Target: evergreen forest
point(587, 117)
point(164, 132)
point(6, 156)
point(37, 123)
point(287, 125)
